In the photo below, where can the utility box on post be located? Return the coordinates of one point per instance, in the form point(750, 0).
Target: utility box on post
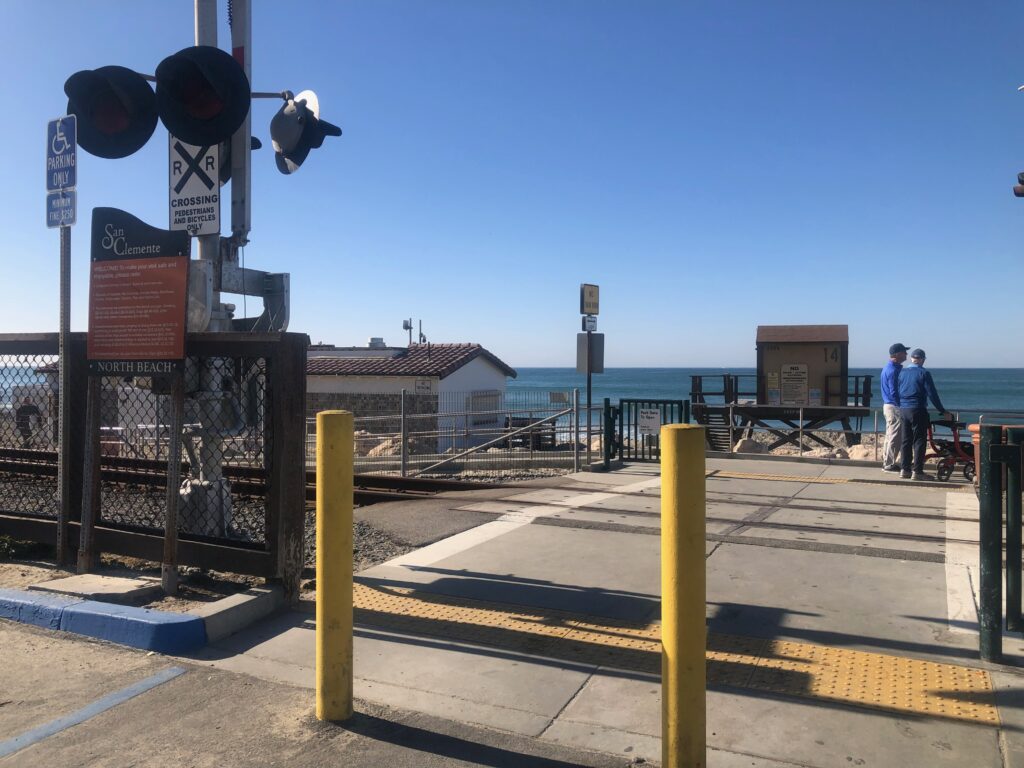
point(802, 365)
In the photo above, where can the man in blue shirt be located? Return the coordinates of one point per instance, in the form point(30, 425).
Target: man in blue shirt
point(891, 407)
point(915, 389)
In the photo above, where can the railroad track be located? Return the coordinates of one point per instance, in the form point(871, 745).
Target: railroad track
point(369, 488)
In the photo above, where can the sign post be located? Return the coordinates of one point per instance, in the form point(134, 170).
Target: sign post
point(61, 179)
point(589, 308)
point(138, 291)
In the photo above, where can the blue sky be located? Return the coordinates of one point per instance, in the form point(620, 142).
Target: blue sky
point(712, 166)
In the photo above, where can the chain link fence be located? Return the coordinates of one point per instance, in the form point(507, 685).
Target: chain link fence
point(225, 439)
point(28, 434)
point(479, 433)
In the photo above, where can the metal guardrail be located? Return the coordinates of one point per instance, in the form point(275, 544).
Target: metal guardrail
point(1000, 469)
point(877, 430)
point(451, 433)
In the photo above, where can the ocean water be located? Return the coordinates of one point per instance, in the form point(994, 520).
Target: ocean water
point(969, 391)
point(12, 377)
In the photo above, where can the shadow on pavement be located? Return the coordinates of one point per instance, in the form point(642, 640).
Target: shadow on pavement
point(443, 745)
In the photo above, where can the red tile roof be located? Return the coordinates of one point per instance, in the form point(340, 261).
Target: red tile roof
point(802, 333)
point(439, 360)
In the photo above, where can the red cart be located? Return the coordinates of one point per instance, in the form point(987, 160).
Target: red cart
point(952, 452)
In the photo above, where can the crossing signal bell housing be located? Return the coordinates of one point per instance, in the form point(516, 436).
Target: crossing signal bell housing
point(202, 97)
point(1018, 188)
point(296, 129)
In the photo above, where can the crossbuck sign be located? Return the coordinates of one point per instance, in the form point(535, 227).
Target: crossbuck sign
point(194, 188)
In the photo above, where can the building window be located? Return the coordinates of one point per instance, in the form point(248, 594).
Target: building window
point(483, 408)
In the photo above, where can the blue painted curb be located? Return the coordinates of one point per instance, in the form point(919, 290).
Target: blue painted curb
point(43, 609)
point(144, 628)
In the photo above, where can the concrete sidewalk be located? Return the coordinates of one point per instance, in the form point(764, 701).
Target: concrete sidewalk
point(540, 619)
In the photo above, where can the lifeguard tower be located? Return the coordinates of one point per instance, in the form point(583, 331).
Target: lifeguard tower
point(802, 384)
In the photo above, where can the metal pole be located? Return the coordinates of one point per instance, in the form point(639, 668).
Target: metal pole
point(609, 433)
point(208, 246)
point(63, 395)
point(169, 565)
point(1014, 621)
point(590, 367)
point(683, 595)
point(576, 430)
point(334, 565)
point(990, 598)
point(801, 432)
point(404, 429)
point(874, 430)
point(91, 477)
point(732, 439)
point(241, 152)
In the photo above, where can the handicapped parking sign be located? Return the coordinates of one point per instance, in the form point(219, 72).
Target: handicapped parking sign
point(61, 154)
point(61, 171)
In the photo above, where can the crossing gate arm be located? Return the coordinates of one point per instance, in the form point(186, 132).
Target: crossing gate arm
point(489, 443)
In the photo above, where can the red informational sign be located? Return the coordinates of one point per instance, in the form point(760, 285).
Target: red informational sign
point(138, 290)
point(137, 309)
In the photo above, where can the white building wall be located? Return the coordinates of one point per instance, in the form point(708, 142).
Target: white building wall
point(455, 395)
point(478, 377)
point(370, 384)
point(477, 374)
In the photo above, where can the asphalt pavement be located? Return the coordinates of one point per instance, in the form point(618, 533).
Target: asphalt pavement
point(523, 629)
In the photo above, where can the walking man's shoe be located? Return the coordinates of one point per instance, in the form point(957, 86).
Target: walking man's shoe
point(922, 476)
point(905, 475)
point(891, 468)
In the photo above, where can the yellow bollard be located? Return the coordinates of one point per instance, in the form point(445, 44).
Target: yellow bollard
point(333, 565)
point(683, 596)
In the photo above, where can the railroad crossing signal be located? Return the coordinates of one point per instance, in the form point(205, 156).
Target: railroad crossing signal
point(296, 129)
point(202, 97)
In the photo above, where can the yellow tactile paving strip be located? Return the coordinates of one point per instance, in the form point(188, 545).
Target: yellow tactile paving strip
point(726, 474)
point(838, 675)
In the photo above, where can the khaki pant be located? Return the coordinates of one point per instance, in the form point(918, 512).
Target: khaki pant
point(893, 435)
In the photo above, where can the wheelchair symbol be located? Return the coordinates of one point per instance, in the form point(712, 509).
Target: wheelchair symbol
point(59, 144)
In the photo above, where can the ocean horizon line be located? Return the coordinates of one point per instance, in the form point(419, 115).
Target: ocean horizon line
point(728, 368)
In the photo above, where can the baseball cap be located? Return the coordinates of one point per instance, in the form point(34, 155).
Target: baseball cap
point(895, 349)
point(919, 353)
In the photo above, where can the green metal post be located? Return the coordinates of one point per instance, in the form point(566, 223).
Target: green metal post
point(990, 499)
point(609, 432)
point(1014, 621)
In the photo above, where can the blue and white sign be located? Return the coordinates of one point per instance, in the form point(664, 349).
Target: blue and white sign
point(60, 208)
point(61, 153)
point(61, 171)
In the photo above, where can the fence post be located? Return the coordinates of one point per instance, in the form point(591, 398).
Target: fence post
point(1014, 622)
point(608, 441)
point(169, 566)
point(90, 477)
point(683, 596)
point(576, 430)
point(333, 565)
point(990, 493)
point(801, 435)
point(874, 431)
point(732, 441)
point(404, 429)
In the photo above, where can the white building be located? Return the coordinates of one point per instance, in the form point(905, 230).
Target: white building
point(450, 389)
